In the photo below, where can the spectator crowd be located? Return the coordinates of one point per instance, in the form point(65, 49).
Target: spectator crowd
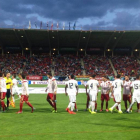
point(98, 65)
point(63, 65)
point(126, 65)
point(68, 64)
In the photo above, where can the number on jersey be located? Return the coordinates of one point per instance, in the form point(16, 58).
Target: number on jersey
point(115, 84)
point(71, 85)
point(91, 85)
point(135, 86)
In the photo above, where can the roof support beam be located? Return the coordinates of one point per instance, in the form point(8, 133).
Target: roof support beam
point(108, 41)
point(29, 43)
point(79, 40)
point(2, 47)
point(1, 44)
point(49, 41)
point(135, 44)
point(88, 41)
point(58, 40)
point(117, 41)
point(18, 39)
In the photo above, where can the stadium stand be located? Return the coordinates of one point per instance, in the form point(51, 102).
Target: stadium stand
point(38, 65)
point(126, 65)
point(13, 64)
point(67, 64)
point(98, 65)
point(35, 65)
point(52, 43)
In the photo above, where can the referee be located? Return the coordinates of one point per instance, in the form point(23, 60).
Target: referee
point(8, 87)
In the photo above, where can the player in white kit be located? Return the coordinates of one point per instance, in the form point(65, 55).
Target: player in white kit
point(93, 85)
point(76, 110)
point(127, 91)
point(25, 95)
point(2, 91)
point(116, 88)
point(136, 93)
point(15, 89)
point(71, 89)
point(88, 99)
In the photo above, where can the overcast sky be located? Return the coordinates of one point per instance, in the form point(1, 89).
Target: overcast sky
point(88, 14)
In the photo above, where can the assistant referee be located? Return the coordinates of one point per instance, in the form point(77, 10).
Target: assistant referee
point(8, 87)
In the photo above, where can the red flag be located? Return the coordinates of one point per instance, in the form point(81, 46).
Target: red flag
point(52, 26)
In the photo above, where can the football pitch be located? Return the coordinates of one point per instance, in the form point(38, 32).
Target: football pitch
point(42, 124)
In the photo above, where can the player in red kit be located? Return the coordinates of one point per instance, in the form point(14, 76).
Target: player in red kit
point(105, 85)
point(2, 91)
point(24, 95)
point(52, 90)
point(127, 92)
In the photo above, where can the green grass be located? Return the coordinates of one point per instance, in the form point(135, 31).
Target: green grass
point(42, 124)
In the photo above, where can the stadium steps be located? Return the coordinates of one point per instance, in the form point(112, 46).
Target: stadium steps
point(115, 73)
point(138, 61)
point(21, 70)
point(52, 68)
point(82, 63)
point(52, 71)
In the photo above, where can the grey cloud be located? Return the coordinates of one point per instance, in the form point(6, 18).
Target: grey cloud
point(68, 10)
point(123, 19)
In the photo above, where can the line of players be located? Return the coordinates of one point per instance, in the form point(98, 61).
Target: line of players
point(71, 89)
point(114, 88)
point(9, 87)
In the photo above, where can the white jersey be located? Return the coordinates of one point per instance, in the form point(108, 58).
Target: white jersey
point(105, 87)
point(136, 87)
point(52, 85)
point(126, 87)
point(15, 89)
point(15, 82)
point(71, 89)
point(25, 87)
point(93, 85)
point(117, 84)
point(2, 85)
point(4, 88)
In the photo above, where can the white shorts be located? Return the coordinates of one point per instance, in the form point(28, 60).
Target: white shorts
point(72, 98)
point(71, 92)
point(117, 97)
point(23, 92)
point(15, 90)
point(92, 95)
point(136, 97)
point(110, 95)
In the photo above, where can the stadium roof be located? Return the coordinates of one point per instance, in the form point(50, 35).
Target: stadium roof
point(69, 39)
